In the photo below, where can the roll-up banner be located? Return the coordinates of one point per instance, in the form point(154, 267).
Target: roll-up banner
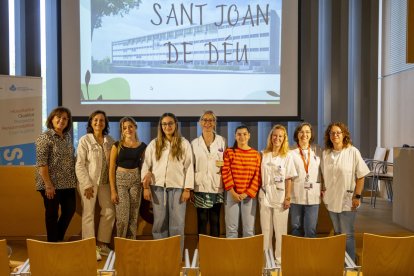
point(20, 119)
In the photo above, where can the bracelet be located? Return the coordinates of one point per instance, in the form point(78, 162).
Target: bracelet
point(146, 188)
point(287, 198)
point(357, 196)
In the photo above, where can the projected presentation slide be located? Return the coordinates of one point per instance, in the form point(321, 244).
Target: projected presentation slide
point(180, 52)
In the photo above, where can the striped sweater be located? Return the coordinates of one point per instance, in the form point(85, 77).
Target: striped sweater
point(241, 171)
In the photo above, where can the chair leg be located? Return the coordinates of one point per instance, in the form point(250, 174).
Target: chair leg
point(376, 190)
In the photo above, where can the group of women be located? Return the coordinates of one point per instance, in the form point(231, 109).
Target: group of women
point(171, 171)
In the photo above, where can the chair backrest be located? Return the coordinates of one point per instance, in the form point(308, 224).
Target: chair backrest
point(313, 256)
point(387, 255)
point(4, 258)
point(63, 259)
point(148, 257)
point(380, 154)
point(219, 256)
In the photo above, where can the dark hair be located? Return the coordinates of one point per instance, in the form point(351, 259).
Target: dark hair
point(235, 131)
point(299, 128)
point(57, 112)
point(89, 128)
point(345, 132)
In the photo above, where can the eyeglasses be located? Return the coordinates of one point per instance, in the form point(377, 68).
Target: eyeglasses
point(305, 132)
point(168, 124)
point(333, 133)
point(208, 120)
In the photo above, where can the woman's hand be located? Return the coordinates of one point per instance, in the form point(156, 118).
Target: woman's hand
point(192, 196)
point(88, 193)
point(185, 195)
point(114, 197)
point(236, 196)
point(50, 192)
point(147, 179)
point(356, 202)
point(147, 194)
point(286, 203)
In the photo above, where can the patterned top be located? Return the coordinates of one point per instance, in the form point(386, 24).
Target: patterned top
point(105, 170)
point(207, 200)
point(58, 154)
point(241, 171)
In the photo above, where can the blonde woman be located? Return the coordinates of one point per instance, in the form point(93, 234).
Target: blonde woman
point(125, 178)
point(274, 196)
point(208, 152)
point(169, 159)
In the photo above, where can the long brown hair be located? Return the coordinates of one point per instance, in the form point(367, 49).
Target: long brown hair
point(160, 143)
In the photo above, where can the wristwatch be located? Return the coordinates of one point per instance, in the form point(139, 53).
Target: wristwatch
point(357, 196)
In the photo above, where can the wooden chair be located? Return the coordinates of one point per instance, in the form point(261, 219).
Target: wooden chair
point(148, 257)
point(219, 256)
point(4, 258)
point(63, 259)
point(313, 256)
point(387, 255)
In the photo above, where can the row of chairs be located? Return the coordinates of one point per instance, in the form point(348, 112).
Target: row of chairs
point(218, 256)
point(382, 167)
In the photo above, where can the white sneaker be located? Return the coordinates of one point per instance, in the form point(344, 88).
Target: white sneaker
point(98, 254)
point(104, 250)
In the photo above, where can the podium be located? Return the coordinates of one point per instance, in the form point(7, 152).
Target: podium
point(403, 187)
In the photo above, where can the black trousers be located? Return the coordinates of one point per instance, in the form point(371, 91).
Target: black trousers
point(204, 215)
point(56, 226)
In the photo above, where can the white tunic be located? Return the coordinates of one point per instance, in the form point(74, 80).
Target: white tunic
point(168, 171)
point(275, 170)
point(310, 192)
point(340, 171)
point(207, 177)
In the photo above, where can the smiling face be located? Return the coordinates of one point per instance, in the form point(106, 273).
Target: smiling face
point(336, 136)
point(278, 136)
point(60, 122)
point(242, 138)
point(98, 123)
point(168, 126)
point(208, 123)
point(304, 136)
point(129, 130)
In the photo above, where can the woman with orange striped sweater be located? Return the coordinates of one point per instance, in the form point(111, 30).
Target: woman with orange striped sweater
point(241, 180)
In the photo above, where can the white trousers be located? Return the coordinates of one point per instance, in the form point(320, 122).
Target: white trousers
point(273, 219)
point(107, 215)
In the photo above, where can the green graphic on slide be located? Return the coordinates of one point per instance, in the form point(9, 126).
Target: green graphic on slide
point(113, 89)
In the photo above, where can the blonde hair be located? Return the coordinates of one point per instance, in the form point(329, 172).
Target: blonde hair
point(284, 149)
point(160, 143)
point(121, 136)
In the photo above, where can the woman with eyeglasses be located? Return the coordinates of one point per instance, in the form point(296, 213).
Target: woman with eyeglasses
point(343, 171)
point(208, 197)
point(241, 180)
point(169, 158)
point(306, 187)
point(55, 177)
point(125, 178)
point(275, 194)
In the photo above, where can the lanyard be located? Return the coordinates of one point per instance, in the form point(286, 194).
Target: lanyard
point(305, 164)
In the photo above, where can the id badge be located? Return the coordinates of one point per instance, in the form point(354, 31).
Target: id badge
point(308, 185)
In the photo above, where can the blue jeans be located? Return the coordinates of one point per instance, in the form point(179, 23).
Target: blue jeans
point(303, 219)
point(169, 215)
point(343, 223)
point(246, 209)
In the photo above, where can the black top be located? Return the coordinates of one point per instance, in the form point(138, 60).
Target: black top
point(130, 158)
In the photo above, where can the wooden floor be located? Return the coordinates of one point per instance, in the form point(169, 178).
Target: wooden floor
point(369, 220)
